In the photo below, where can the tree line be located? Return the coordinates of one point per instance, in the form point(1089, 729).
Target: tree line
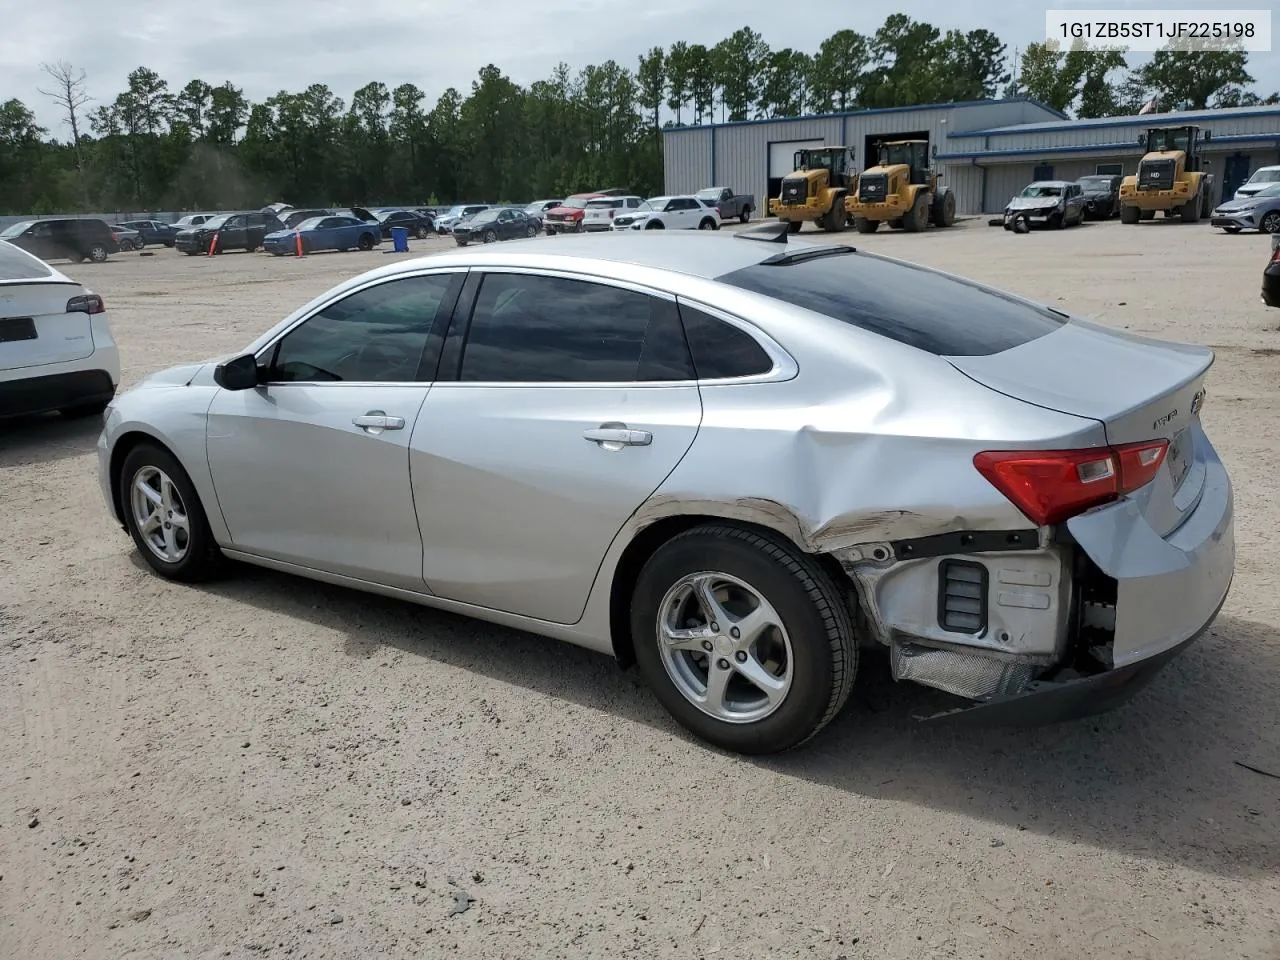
point(201, 146)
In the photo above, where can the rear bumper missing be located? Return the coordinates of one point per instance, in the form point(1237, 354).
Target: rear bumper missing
point(1053, 701)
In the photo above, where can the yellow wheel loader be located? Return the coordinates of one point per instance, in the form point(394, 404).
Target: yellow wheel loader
point(901, 190)
point(1171, 177)
point(816, 190)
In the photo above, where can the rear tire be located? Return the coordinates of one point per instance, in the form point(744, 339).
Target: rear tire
point(490, 236)
point(1149, 214)
point(1130, 214)
point(422, 233)
point(806, 654)
point(943, 213)
point(200, 558)
point(365, 242)
point(745, 216)
point(655, 225)
point(1190, 211)
point(833, 221)
point(98, 253)
point(918, 218)
point(863, 225)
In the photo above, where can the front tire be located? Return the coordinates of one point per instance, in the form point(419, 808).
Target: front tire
point(863, 225)
point(707, 224)
point(917, 219)
point(1270, 223)
point(98, 253)
point(791, 665)
point(1130, 214)
point(163, 514)
point(422, 233)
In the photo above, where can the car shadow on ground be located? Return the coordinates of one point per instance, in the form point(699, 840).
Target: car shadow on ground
point(1139, 780)
point(45, 438)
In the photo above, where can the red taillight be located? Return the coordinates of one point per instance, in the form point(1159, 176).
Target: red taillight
point(90, 303)
point(1050, 486)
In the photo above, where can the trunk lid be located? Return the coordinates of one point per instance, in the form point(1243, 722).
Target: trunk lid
point(1139, 389)
point(35, 327)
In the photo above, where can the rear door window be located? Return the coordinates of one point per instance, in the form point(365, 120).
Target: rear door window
point(914, 305)
point(527, 328)
point(721, 350)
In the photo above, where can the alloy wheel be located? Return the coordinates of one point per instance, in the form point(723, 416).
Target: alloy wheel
point(1270, 223)
point(159, 514)
point(724, 647)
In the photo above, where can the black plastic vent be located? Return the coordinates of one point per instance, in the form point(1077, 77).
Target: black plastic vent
point(1156, 175)
point(962, 596)
point(795, 190)
point(872, 188)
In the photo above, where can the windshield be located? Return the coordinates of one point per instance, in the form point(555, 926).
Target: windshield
point(309, 224)
point(1271, 191)
point(456, 211)
point(576, 203)
point(654, 204)
point(16, 229)
point(1162, 141)
point(485, 216)
point(1096, 183)
point(1266, 176)
point(217, 221)
point(892, 154)
point(533, 208)
point(1042, 190)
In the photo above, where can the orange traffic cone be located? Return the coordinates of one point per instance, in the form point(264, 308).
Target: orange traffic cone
point(213, 245)
point(297, 242)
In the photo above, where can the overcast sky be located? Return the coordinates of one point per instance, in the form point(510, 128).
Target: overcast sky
point(264, 46)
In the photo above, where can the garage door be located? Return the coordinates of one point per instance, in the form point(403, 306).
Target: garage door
point(782, 155)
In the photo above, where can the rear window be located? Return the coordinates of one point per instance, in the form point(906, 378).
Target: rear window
point(15, 264)
point(903, 302)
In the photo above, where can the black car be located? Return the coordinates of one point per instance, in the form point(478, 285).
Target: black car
point(235, 231)
point(418, 225)
point(1271, 275)
point(1101, 196)
point(152, 231)
point(295, 217)
point(70, 238)
point(496, 223)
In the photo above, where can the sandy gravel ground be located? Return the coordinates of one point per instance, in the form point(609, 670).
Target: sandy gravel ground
point(269, 766)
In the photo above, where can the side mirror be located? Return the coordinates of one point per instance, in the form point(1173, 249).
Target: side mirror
point(240, 373)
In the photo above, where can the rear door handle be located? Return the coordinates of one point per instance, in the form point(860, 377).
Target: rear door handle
point(375, 421)
point(620, 435)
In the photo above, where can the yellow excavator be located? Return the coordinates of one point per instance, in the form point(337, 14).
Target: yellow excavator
point(1171, 177)
point(816, 190)
point(901, 190)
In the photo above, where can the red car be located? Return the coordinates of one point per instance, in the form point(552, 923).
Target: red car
point(567, 218)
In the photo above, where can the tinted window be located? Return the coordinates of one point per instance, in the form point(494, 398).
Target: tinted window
point(530, 329)
point(378, 334)
point(904, 302)
point(720, 349)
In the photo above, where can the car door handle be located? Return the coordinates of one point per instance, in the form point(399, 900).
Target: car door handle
point(619, 435)
point(378, 421)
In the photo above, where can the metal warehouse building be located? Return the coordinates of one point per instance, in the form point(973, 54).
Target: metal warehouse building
point(987, 150)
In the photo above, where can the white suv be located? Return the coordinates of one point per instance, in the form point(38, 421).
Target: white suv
point(1262, 178)
point(56, 348)
point(599, 213)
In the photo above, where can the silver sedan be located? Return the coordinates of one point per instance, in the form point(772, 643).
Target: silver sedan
point(731, 461)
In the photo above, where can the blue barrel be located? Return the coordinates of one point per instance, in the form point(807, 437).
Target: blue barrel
point(400, 239)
